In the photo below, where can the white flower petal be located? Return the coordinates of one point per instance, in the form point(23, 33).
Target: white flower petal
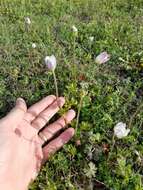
point(50, 62)
point(91, 38)
point(127, 131)
point(102, 58)
point(120, 130)
point(27, 20)
point(74, 29)
point(33, 45)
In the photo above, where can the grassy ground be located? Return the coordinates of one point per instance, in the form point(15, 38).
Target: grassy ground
point(115, 89)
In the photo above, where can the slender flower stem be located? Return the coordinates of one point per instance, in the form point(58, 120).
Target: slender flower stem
point(91, 184)
point(134, 115)
point(74, 71)
point(26, 27)
point(74, 48)
point(112, 147)
point(90, 46)
point(78, 113)
point(55, 82)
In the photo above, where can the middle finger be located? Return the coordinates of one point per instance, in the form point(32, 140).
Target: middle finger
point(49, 131)
point(48, 113)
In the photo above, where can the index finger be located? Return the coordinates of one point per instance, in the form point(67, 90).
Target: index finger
point(16, 114)
point(38, 107)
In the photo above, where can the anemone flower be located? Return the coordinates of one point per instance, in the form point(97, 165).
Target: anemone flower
point(120, 130)
point(51, 63)
point(102, 58)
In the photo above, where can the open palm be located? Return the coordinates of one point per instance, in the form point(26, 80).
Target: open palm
point(23, 137)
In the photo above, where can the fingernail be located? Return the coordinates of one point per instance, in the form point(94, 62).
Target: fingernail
point(71, 111)
point(19, 100)
point(21, 103)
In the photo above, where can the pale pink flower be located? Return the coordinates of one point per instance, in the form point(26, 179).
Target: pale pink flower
point(102, 58)
point(51, 62)
point(78, 143)
point(120, 130)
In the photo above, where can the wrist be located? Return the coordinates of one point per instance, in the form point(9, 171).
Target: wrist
point(7, 187)
point(10, 182)
point(7, 183)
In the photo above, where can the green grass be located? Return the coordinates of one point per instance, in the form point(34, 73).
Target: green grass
point(115, 89)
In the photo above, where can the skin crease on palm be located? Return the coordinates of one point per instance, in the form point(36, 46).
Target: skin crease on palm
point(21, 147)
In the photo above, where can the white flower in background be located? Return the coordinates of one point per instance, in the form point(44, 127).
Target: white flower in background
point(102, 58)
point(33, 45)
point(27, 20)
point(120, 130)
point(51, 62)
point(75, 30)
point(91, 38)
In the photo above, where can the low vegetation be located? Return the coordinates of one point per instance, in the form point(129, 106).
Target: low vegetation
point(102, 94)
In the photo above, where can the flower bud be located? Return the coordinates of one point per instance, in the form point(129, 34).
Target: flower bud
point(27, 20)
point(33, 45)
point(91, 38)
point(75, 30)
point(78, 143)
point(102, 58)
point(50, 62)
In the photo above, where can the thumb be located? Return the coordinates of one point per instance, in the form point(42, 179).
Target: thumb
point(16, 114)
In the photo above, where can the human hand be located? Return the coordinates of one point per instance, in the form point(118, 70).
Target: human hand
point(21, 144)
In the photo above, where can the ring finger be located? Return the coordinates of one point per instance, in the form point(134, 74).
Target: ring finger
point(48, 132)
